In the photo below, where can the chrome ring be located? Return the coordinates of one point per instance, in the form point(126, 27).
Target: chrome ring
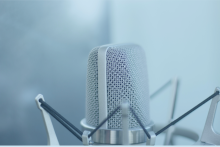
point(114, 136)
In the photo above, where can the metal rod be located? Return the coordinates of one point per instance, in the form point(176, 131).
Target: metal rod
point(125, 123)
point(58, 119)
point(160, 89)
point(65, 120)
point(187, 113)
point(139, 121)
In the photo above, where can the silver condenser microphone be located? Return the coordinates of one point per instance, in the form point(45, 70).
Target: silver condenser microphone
point(117, 78)
point(116, 73)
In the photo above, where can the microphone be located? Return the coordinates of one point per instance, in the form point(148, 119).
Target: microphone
point(117, 78)
point(116, 73)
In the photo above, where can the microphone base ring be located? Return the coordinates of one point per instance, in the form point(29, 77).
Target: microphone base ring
point(114, 136)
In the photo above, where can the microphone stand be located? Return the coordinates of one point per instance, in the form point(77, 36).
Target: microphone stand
point(174, 82)
point(209, 136)
point(169, 133)
point(51, 135)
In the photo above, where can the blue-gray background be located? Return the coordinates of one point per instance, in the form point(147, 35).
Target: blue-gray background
point(44, 46)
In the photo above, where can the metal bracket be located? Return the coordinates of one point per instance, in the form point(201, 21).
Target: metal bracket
point(125, 123)
point(209, 135)
point(152, 140)
point(169, 133)
point(51, 135)
point(85, 139)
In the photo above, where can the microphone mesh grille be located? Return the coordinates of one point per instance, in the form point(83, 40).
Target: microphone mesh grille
point(127, 78)
point(92, 103)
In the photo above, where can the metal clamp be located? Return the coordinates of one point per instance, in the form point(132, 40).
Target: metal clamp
point(152, 140)
point(209, 135)
point(51, 135)
point(125, 123)
point(85, 139)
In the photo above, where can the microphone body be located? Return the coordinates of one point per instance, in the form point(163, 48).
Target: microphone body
point(116, 73)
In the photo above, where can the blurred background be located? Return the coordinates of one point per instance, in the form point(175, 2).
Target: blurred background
point(44, 47)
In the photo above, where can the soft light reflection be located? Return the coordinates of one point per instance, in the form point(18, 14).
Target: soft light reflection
point(87, 11)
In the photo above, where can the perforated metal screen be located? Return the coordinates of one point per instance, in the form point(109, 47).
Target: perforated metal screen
point(127, 78)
